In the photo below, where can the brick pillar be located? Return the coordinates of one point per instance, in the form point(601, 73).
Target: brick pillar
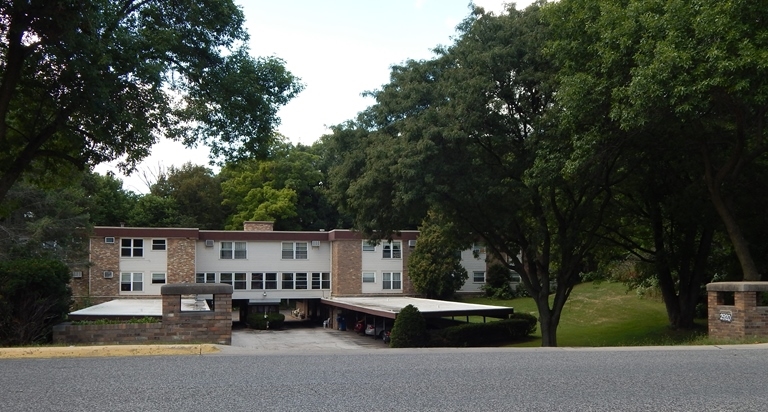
point(347, 267)
point(742, 319)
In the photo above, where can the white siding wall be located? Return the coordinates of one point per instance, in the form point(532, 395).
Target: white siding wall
point(153, 261)
point(264, 257)
point(472, 264)
point(376, 263)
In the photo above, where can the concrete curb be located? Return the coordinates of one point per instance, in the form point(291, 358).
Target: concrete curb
point(104, 351)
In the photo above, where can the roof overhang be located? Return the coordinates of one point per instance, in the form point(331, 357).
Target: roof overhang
point(389, 307)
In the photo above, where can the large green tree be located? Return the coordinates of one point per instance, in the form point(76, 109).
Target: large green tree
point(693, 71)
point(196, 191)
point(288, 187)
point(434, 266)
point(84, 82)
point(473, 135)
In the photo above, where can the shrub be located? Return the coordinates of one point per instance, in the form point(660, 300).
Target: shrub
point(484, 334)
point(409, 330)
point(34, 296)
point(271, 321)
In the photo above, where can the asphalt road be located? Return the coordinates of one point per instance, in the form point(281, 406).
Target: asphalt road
point(628, 379)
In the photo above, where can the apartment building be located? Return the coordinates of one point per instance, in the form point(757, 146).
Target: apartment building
point(263, 266)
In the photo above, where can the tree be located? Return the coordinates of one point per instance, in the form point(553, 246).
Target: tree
point(434, 266)
point(107, 203)
point(92, 81)
point(196, 192)
point(34, 296)
point(691, 70)
point(287, 187)
point(44, 224)
point(474, 135)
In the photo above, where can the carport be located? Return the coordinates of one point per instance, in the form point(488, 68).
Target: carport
point(384, 309)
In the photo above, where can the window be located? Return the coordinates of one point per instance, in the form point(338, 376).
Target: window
point(294, 250)
point(270, 281)
point(321, 281)
point(478, 277)
point(391, 281)
point(391, 250)
point(158, 244)
point(225, 278)
point(131, 282)
point(301, 281)
point(369, 277)
point(287, 281)
point(326, 282)
point(205, 278)
point(240, 283)
point(232, 250)
point(158, 278)
point(257, 281)
point(131, 247)
point(368, 246)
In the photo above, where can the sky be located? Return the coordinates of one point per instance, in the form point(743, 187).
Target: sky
point(339, 49)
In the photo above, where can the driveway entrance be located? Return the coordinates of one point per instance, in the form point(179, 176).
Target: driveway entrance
point(302, 337)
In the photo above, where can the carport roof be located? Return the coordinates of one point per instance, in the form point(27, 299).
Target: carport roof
point(390, 306)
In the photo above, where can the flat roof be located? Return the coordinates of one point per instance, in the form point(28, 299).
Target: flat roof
point(134, 308)
point(390, 306)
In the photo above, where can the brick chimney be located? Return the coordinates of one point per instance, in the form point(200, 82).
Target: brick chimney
point(258, 226)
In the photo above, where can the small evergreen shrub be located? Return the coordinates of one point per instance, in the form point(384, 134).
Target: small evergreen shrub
point(410, 329)
point(271, 321)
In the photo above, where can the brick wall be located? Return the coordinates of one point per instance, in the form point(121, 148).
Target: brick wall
point(258, 226)
point(104, 256)
point(214, 326)
point(346, 267)
point(181, 260)
point(741, 319)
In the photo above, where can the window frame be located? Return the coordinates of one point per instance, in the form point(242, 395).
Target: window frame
point(392, 250)
point(474, 276)
point(391, 279)
point(294, 250)
point(231, 250)
point(154, 281)
point(135, 248)
point(207, 277)
point(159, 245)
point(286, 279)
point(371, 277)
point(134, 279)
point(240, 281)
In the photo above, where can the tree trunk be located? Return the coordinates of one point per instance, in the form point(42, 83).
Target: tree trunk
point(740, 244)
point(547, 322)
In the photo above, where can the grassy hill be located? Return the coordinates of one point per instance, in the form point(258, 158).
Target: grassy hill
point(607, 314)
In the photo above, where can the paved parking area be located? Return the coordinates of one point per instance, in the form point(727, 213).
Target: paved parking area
point(301, 338)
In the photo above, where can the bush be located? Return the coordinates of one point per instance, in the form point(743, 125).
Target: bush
point(271, 321)
point(34, 296)
point(409, 330)
point(485, 334)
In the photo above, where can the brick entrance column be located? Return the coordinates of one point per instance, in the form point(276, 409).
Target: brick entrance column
point(736, 310)
point(212, 326)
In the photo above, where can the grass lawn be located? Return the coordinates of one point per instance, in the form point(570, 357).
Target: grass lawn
point(606, 314)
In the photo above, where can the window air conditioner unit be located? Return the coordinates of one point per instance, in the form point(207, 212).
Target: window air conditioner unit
point(77, 274)
point(315, 243)
point(108, 274)
point(109, 239)
point(411, 243)
point(209, 243)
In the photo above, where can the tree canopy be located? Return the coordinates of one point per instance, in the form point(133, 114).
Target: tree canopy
point(97, 80)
